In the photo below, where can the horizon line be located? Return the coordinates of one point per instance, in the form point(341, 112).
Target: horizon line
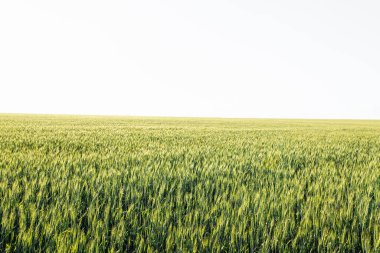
point(183, 117)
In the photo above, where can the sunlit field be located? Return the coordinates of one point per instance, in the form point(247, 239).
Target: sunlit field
point(129, 184)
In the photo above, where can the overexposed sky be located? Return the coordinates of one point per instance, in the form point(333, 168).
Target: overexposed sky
point(221, 58)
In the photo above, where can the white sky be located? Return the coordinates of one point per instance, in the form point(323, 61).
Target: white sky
point(222, 58)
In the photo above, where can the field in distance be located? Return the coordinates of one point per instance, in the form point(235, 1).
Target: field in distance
point(129, 184)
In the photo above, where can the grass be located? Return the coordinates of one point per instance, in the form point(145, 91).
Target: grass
point(129, 184)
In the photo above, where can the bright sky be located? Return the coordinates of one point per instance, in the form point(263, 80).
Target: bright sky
point(221, 58)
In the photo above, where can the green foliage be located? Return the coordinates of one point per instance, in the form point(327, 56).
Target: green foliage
point(114, 184)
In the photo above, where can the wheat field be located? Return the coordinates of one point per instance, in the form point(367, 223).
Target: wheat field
point(132, 184)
